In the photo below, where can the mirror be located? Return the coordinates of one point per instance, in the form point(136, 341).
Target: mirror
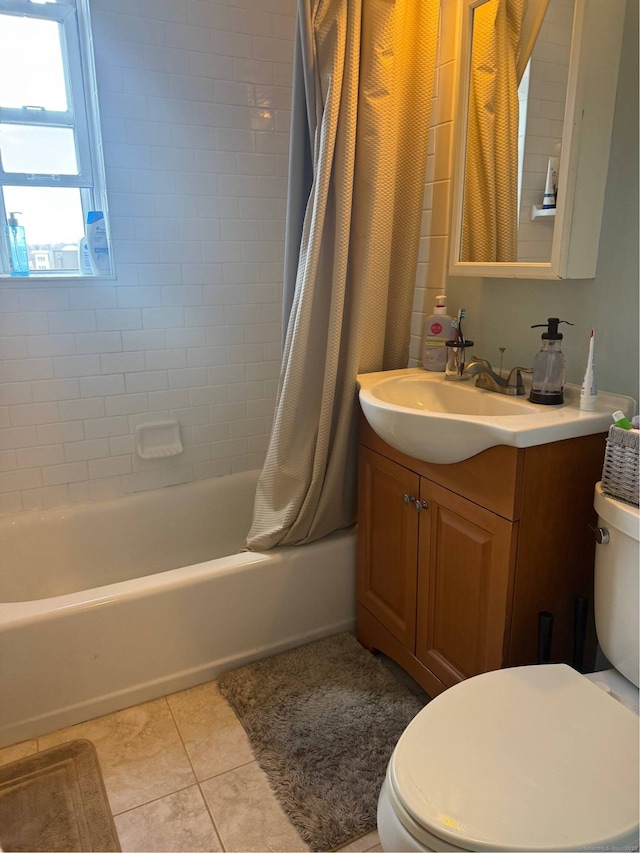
point(536, 91)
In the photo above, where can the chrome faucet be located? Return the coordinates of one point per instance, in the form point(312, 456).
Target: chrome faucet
point(488, 379)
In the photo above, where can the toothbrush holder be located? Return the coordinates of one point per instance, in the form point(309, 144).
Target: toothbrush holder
point(456, 360)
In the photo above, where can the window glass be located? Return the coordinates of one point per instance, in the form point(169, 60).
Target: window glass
point(31, 64)
point(53, 222)
point(52, 179)
point(31, 149)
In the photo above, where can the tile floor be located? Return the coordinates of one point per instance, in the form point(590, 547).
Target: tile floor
point(180, 775)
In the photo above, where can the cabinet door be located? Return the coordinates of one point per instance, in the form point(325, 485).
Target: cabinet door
point(465, 569)
point(388, 544)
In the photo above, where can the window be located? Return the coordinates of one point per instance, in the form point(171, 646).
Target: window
point(51, 168)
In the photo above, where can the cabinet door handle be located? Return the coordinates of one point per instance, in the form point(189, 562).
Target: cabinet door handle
point(408, 499)
point(420, 505)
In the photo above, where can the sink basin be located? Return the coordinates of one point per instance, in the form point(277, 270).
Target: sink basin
point(427, 417)
point(417, 392)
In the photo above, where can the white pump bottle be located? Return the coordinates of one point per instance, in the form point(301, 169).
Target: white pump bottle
point(438, 329)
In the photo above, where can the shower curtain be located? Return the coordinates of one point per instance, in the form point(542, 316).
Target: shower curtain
point(532, 20)
point(504, 34)
point(363, 75)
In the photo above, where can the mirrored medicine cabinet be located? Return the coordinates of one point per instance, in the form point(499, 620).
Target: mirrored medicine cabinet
point(535, 101)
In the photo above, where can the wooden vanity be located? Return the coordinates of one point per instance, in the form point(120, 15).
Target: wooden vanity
point(455, 562)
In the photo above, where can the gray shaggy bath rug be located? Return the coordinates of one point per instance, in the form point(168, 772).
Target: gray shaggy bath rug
point(323, 720)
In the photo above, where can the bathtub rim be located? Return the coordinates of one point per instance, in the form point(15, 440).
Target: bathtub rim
point(18, 613)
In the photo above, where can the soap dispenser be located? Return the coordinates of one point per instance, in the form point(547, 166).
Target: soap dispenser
point(17, 246)
point(548, 366)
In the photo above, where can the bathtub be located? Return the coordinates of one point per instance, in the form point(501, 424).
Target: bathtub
point(107, 605)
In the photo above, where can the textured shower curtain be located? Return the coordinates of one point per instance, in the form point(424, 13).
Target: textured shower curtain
point(504, 34)
point(532, 20)
point(363, 75)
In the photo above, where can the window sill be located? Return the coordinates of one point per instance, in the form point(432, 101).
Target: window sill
point(53, 278)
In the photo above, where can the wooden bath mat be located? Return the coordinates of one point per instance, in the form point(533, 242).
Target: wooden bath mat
point(56, 801)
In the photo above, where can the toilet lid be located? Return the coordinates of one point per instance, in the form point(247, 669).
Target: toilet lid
point(529, 758)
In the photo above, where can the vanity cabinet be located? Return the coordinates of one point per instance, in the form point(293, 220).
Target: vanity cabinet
point(465, 558)
point(455, 562)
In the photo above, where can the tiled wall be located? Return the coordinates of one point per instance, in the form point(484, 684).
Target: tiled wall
point(194, 99)
point(523, 101)
point(434, 243)
point(545, 123)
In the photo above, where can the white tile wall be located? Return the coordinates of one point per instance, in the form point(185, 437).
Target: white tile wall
point(431, 273)
point(194, 98)
point(545, 123)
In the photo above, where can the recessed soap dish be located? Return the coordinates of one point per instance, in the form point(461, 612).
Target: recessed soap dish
point(155, 440)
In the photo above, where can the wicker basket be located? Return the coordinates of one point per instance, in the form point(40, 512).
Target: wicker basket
point(620, 478)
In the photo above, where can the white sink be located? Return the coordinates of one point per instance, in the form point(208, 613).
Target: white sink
point(425, 416)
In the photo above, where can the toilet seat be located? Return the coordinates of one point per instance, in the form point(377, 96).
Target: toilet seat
point(528, 758)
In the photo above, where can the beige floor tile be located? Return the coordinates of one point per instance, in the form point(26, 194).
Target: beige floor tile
point(246, 813)
point(178, 822)
point(213, 736)
point(140, 751)
point(363, 844)
point(17, 751)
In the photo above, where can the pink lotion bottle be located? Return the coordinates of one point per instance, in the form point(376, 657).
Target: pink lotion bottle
point(438, 329)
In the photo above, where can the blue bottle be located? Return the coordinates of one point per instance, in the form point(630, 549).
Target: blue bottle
point(17, 245)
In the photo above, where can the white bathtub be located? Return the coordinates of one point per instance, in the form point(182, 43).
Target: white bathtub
point(107, 605)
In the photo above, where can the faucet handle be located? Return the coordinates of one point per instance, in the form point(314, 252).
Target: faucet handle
point(484, 361)
point(514, 380)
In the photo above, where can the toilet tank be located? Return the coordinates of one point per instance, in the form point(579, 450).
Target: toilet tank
point(617, 575)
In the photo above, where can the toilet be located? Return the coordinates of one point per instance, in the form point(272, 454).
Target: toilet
point(532, 757)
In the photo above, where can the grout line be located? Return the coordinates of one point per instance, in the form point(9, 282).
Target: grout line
point(228, 770)
point(200, 791)
point(155, 799)
point(212, 818)
point(184, 746)
point(198, 781)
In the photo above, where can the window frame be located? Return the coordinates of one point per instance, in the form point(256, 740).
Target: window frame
point(82, 116)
